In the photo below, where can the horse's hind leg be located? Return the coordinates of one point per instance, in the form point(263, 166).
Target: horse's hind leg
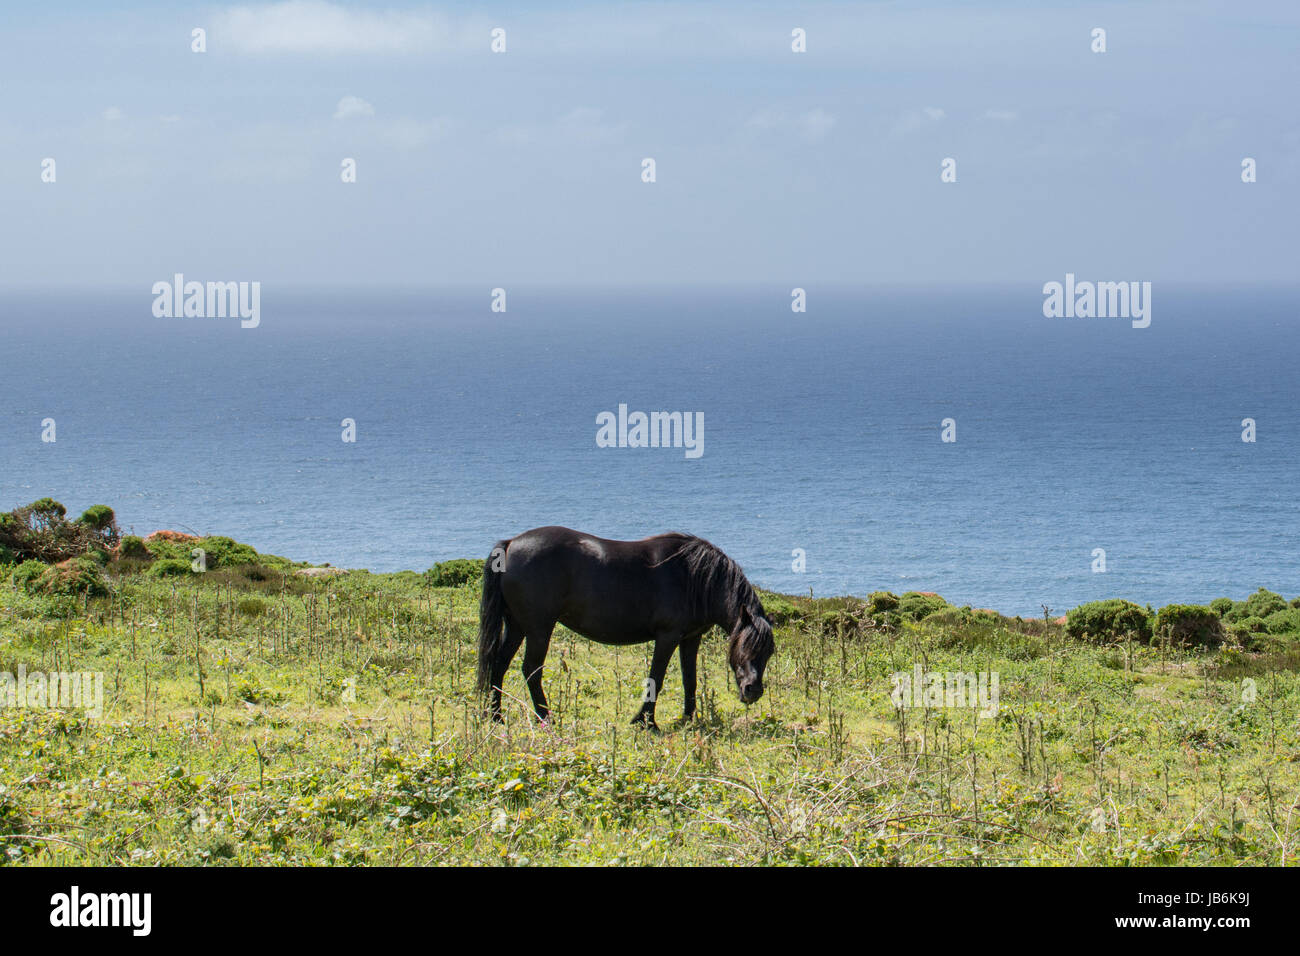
point(514, 636)
point(535, 648)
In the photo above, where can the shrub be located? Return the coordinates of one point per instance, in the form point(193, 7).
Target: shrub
point(837, 621)
point(251, 607)
point(40, 531)
point(1263, 603)
point(1190, 624)
point(1108, 620)
point(132, 547)
point(779, 610)
point(171, 544)
point(7, 556)
point(74, 577)
point(917, 605)
point(223, 552)
point(169, 568)
point(27, 574)
point(882, 601)
point(98, 518)
point(1222, 606)
point(1286, 621)
point(454, 573)
point(950, 617)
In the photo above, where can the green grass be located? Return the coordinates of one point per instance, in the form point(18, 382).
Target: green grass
point(228, 738)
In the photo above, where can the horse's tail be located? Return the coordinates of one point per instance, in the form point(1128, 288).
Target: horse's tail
point(491, 615)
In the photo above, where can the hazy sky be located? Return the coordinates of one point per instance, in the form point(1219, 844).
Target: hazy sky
point(476, 167)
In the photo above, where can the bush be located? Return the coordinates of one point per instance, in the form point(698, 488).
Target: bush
point(1190, 624)
point(779, 610)
point(98, 518)
point(74, 577)
point(454, 573)
point(223, 552)
point(40, 531)
point(881, 602)
point(7, 556)
point(132, 547)
point(916, 605)
point(950, 617)
point(251, 607)
point(1108, 620)
point(1286, 621)
point(1263, 603)
point(171, 544)
point(1247, 626)
point(1222, 606)
point(839, 622)
point(27, 574)
point(169, 568)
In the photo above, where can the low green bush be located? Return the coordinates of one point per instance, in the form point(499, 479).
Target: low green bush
point(169, 568)
point(1260, 604)
point(454, 573)
point(918, 606)
point(779, 610)
point(881, 602)
point(26, 574)
point(1286, 621)
point(1108, 620)
point(132, 546)
point(1190, 624)
point(75, 577)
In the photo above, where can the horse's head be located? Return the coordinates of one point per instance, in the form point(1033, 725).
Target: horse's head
point(751, 645)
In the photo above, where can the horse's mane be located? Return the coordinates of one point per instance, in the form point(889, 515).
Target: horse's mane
point(710, 574)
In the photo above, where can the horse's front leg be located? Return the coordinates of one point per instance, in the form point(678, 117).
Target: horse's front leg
point(687, 653)
point(664, 646)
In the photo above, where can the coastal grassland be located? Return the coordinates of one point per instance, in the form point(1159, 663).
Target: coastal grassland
point(256, 716)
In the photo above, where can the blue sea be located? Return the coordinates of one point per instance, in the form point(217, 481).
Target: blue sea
point(822, 430)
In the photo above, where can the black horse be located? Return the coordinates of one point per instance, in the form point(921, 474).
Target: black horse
point(669, 589)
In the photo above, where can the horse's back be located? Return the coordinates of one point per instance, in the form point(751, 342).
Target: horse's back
point(610, 590)
point(556, 539)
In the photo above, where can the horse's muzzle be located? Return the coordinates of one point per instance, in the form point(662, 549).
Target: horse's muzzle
point(751, 692)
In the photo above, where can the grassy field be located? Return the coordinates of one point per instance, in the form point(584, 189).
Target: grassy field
point(257, 716)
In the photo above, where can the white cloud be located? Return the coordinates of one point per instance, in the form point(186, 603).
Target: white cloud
point(813, 125)
point(351, 106)
point(314, 26)
point(413, 134)
point(1001, 116)
point(913, 120)
point(766, 119)
point(113, 114)
point(588, 125)
point(816, 124)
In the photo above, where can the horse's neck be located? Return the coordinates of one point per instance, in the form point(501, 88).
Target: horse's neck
point(728, 620)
